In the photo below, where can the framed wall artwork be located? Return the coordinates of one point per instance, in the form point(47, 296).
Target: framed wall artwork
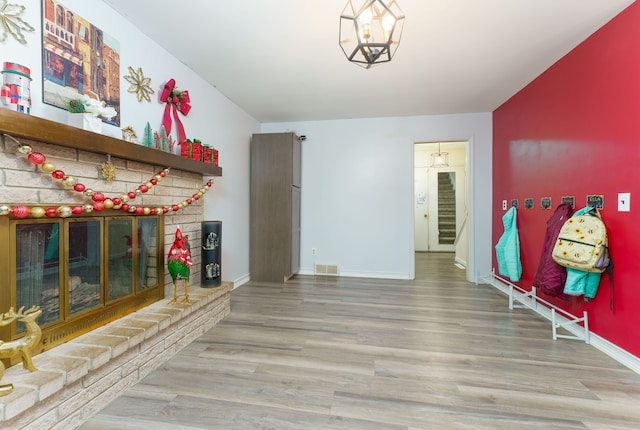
point(78, 59)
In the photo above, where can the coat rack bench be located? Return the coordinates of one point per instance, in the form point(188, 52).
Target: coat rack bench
point(519, 298)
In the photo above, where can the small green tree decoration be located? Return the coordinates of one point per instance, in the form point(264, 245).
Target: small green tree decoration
point(148, 136)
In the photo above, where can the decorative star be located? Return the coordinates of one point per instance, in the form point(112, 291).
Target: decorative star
point(108, 170)
point(11, 23)
point(139, 84)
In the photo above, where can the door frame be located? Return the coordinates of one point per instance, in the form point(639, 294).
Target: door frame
point(468, 149)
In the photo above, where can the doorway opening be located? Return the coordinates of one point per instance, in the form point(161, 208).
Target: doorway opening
point(441, 200)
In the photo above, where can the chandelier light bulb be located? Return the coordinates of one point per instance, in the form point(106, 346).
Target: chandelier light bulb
point(365, 21)
point(387, 24)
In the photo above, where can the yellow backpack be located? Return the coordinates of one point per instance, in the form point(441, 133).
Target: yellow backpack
point(582, 243)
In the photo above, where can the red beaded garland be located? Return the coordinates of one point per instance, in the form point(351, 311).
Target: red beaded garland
point(59, 174)
point(100, 201)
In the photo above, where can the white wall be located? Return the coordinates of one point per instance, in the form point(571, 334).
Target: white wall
point(213, 119)
point(357, 190)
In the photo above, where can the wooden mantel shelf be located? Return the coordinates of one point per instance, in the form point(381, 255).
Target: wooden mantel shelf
point(24, 126)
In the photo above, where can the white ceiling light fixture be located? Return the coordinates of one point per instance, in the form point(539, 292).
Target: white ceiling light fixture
point(370, 33)
point(440, 159)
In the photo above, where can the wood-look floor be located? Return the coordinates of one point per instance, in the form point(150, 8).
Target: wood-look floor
point(344, 353)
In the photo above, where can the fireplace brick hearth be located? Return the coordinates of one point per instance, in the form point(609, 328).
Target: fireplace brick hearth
point(76, 379)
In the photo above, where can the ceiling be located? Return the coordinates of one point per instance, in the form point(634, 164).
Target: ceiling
point(280, 60)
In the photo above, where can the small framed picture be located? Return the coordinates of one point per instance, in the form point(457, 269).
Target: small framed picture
point(528, 203)
point(545, 203)
point(569, 199)
point(595, 200)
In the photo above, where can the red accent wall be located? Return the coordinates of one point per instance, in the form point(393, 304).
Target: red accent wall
point(575, 131)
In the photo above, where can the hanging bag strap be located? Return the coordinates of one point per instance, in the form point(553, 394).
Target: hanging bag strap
point(610, 274)
point(609, 268)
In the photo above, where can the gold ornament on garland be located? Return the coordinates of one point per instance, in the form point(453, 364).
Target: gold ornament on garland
point(11, 23)
point(140, 85)
point(108, 170)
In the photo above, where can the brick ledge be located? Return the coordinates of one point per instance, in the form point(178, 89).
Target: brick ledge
point(77, 379)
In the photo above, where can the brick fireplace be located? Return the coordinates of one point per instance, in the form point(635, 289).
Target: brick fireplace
point(135, 333)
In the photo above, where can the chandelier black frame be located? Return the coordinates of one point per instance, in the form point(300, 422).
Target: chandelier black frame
point(370, 33)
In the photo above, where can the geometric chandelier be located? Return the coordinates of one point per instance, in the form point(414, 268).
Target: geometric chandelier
point(370, 33)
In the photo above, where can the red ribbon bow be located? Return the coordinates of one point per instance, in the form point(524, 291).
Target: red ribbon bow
point(176, 101)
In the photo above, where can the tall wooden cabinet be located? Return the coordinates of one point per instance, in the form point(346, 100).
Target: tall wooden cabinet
point(275, 207)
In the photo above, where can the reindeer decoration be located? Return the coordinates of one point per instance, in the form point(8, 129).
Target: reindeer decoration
point(22, 346)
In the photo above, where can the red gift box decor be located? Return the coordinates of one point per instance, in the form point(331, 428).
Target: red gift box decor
point(185, 148)
point(176, 101)
point(191, 149)
point(206, 154)
point(196, 150)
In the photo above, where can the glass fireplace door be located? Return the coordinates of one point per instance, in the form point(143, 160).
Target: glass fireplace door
point(37, 264)
point(84, 265)
point(121, 244)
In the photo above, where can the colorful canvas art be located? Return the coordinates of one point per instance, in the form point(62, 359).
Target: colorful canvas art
point(78, 58)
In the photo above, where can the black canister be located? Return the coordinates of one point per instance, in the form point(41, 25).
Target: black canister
point(211, 271)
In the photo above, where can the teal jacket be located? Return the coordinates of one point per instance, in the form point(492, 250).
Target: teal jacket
point(508, 248)
point(579, 282)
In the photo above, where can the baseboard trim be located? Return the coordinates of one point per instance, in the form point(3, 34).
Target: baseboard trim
point(461, 262)
point(241, 281)
point(376, 275)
